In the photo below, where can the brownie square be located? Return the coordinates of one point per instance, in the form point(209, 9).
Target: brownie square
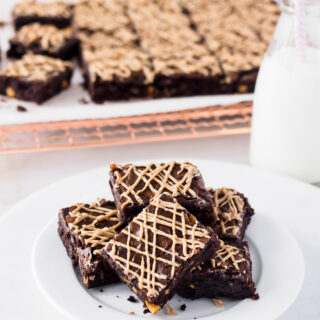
point(43, 39)
point(157, 249)
point(117, 73)
point(84, 230)
point(232, 212)
point(134, 187)
point(57, 13)
point(227, 274)
point(35, 78)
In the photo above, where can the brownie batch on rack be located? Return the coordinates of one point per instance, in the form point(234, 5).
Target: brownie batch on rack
point(151, 48)
point(165, 233)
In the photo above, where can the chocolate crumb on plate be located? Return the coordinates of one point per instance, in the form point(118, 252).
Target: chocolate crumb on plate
point(22, 109)
point(183, 307)
point(132, 299)
point(145, 311)
point(100, 306)
point(101, 290)
point(131, 313)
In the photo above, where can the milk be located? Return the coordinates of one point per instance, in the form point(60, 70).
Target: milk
point(286, 118)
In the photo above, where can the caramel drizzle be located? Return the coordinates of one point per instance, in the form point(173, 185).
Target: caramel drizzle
point(96, 213)
point(160, 174)
point(235, 203)
point(36, 67)
point(226, 254)
point(191, 241)
point(48, 36)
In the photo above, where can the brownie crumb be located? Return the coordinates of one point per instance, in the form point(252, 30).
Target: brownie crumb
point(183, 307)
point(132, 299)
point(145, 311)
point(83, 101)
point(117, 296)
point(100, 306)
point(21, 109)
point(101, 290)
point(131, 313)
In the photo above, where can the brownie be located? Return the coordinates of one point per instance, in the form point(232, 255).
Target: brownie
point(227, 274)
point(57, 13)
point(232, 31)
point(35, 78)
point(158, 249)
point(117, 73)
point(232, 212)
point(43, 39)
point(98, 15)
point(183, 66)
point(134, 186)
point(84, 230)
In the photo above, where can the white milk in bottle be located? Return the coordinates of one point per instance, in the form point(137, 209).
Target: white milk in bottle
point(286, 116)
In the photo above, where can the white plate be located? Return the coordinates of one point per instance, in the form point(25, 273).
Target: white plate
point(275, 198)
point(277, 285)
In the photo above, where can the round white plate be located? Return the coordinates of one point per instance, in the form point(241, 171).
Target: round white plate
point(277, 200)
point(54, 274)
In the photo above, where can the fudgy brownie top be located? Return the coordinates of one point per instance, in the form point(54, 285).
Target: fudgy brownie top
point(119, 63)
point(100, 15)
point(42, 9)
point(99, 39)
point(229, 209)
point(48, 37)
point(141, 183)
point(231, 256)
point(187, 62)
point(36, 67)
point(153, 247)
point(95, 224)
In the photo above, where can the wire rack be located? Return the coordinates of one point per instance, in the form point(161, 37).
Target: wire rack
point(202, 122)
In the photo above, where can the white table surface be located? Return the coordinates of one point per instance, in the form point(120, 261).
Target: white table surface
point(21, 175)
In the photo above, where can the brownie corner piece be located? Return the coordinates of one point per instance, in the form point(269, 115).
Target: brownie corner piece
point(84, 229)
point(134, 187)
point(232, 212)
point(227, 274)
point(35, 78)
point(157, 250)
point(57, 13)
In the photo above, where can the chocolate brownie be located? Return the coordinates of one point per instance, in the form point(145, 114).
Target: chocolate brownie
point(117, 73)
point(99, 15)
point(227, 274)
point(157, 250)
point(35, 78)
point(43, 39)
point(57, 13)
point(232, 211)
point(134, 186)
point(84, 230)
point(231, 32)
point(183, 66)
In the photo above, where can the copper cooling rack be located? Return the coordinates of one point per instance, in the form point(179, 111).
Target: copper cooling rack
point(185, 124)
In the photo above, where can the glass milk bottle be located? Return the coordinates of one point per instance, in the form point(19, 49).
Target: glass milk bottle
point(286, 115)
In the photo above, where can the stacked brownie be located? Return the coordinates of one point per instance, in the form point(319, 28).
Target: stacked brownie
point(160, 236)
